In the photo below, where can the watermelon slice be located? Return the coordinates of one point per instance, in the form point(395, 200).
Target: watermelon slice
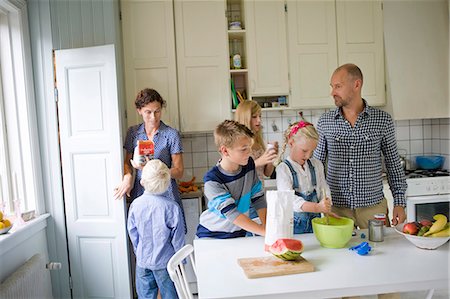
point(287, 249)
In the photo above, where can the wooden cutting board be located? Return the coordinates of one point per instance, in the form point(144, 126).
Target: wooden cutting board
point(271, 266)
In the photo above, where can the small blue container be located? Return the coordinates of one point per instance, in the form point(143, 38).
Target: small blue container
point(429, 162)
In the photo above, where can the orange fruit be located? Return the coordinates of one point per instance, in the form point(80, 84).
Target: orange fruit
point(6, 223)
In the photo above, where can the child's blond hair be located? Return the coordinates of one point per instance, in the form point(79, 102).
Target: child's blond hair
point(227, 133)
point(296, 131)
point(155, 176)
point(244, 114)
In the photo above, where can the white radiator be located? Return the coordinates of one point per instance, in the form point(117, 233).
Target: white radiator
point(31, 280)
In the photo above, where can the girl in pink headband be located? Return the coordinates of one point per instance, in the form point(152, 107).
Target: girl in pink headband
point(303, 174)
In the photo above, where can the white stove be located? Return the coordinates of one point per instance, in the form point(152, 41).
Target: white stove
point(428, 194)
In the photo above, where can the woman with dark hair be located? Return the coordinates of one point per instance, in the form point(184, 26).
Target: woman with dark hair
point(167, 146)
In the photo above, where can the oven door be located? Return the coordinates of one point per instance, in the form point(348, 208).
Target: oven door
point(425, 207)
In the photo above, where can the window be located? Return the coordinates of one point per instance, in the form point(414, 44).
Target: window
point(19, 154)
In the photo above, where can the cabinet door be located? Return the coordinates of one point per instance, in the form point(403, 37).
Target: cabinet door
point(266, 47)
point(312, 52)
point(202, 61)
point(149, 55)
point(360, 41)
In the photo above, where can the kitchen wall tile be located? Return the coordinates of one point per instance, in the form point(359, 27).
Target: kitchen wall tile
point(416, 147)
point(187, 160)
point(199, 143)
point(435, 121)
point(211, 146)
point(200, 159)
point(427, 132)
point(273, 113)
point(444, 121)
point(274, 125)
point(435, 131)
point(416, 132)
point(404, 145)
point(415, 122)
point(291, 113)
point(445, 147)
point(402, 133)
point(402, 123)
point(187, 144)
point(199, 173)
point(188, 174)
point(444, 132)
point(436, 146)
point(427, 150)
point(427, 121)
point(213, 157)
point(286, 121)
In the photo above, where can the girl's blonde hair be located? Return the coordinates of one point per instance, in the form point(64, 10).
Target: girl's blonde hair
point(243, 115)
point(296, 131)
point(155, 176)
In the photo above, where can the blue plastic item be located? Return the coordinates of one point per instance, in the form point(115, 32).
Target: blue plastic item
point(429, 162)
point(362, 249)
point(363, 235)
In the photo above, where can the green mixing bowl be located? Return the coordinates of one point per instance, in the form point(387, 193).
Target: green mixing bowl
point(336, 234)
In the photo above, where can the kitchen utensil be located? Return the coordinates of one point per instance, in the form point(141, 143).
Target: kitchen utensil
point(334, 235)
point(271, 266)
point(422, 242)
point(324, 196)
point(429, 162)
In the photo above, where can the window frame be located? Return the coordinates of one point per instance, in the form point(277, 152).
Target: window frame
point(21, 172)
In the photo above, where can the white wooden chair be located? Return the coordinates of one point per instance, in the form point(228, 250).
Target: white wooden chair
point(177, 271)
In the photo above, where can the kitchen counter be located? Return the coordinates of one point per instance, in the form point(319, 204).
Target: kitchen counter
point(394, 265)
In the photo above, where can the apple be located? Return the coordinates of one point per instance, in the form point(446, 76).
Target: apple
point(426, 222)
point(410, 228)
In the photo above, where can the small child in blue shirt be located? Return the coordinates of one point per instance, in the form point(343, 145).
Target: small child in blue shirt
point(156, 230)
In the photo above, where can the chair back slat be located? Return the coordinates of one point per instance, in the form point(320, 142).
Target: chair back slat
point(177, 272)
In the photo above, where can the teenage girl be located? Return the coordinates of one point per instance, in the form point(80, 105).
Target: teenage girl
point(303, 174)
point(248, 113)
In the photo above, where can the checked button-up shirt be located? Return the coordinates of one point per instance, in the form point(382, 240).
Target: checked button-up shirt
point(353, 156)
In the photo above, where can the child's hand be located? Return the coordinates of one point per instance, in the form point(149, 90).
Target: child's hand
point(325, 205)
point(139, 166)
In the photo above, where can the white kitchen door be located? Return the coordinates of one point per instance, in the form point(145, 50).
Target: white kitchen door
point(91, 155)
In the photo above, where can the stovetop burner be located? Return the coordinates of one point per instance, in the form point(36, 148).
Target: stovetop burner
point(420, 173)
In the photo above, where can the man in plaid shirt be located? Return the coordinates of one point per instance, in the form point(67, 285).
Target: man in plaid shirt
point(353, 137)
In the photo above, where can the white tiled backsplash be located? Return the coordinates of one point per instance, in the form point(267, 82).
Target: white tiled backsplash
point(414, 138)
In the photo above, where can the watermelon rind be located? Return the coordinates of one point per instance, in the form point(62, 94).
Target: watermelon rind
point(286, 254)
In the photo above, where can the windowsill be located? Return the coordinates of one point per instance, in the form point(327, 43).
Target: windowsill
point(16, 236)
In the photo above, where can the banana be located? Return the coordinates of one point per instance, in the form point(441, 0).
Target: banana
point(438, 225)
point(442, 233)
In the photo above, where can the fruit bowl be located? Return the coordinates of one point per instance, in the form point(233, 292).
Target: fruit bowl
point(5, 230)
point(336, 234)
point(422, 242)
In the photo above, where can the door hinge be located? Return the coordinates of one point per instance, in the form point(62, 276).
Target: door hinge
point(285, 7)
point(120, 15)
point(55, 91)
point(70, 283)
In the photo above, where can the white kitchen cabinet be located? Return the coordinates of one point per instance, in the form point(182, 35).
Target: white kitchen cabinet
point(202, 64)
point(149, 55)
point(266, 48)
point(178, 48)
point(417, 58)
point(325, 34)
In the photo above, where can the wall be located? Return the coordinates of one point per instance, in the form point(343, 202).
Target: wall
point(414, 137)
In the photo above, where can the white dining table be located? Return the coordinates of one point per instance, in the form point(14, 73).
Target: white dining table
point(394, 265)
